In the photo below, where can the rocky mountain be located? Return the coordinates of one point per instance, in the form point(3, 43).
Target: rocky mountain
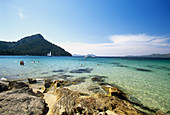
point(34, 45)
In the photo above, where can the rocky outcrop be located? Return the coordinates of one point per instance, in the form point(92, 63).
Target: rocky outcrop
point(71, 102)
point(22, 101)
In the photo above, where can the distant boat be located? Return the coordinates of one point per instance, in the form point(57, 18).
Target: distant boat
point(49, 54)
point(90, 56)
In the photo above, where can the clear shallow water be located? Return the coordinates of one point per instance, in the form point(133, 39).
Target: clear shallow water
point(147, 80)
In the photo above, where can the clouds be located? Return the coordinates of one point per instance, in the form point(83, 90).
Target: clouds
point(121, 45)
point(19, 12)
point(139, 39)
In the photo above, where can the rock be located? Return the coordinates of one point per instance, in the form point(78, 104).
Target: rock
point(21, 102)
point(72, 103)
point(60, 70)
point(65, 101)
point(160, 113)
point(86, 70)
point(78, 80)
point(95, 89)
point(145, 70)
point(60, 83)
point(98, 78)
point(28, 91)
point(103, 83)
point(15, 84)
point(47, 85)
point(44, 73)
point(113, 91)
point(3, 87)
point(31, 81)
point(65, 76)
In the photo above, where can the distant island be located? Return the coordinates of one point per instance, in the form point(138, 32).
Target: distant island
point(154, 56)
point(34, 45)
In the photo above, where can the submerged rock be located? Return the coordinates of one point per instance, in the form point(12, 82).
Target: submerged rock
point(146, 70)
point(60, 70)
point(31, 81)
point(98, 78)
point(65, 76)
point(86, 70)
point(95, 89)
point(3, 87)
point(22, 101)
point(78, 80)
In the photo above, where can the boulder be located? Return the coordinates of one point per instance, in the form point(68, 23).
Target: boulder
point(31, 81)
point(3, 87)
point(22, 101)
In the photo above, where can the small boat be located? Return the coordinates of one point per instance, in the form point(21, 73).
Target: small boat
point(49, 54)
point(89, 56)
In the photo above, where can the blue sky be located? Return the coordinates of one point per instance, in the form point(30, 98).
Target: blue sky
point(101, 27)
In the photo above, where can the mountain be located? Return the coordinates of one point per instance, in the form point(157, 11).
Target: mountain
point(34, 45)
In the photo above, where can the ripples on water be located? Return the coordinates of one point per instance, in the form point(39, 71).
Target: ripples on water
point(145, 80)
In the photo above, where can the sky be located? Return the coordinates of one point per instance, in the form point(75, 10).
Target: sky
point(100, 27)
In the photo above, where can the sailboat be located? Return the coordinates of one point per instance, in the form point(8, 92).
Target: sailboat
point(49, 54)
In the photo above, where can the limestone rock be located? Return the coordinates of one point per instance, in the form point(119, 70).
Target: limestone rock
point(71, 102)
point(21, 102)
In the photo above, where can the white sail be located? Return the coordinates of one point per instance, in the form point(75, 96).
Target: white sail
point(49, 54)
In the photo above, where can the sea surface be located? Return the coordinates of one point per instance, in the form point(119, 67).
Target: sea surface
point(145, 80)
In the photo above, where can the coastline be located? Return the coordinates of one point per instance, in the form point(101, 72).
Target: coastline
point(101, 99)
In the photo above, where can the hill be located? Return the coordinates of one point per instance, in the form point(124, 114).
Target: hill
point(153, 56)
point(158, 55)
point(34, 45)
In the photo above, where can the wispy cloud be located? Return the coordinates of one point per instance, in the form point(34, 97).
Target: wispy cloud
point(121, 45)
point(19, 12)
point(139, 39)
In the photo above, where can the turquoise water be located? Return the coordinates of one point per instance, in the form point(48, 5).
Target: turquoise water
point(147, 80)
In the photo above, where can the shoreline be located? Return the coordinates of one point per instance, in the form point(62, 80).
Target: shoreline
point(48, 88)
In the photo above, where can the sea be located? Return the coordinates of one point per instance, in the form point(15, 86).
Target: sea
point(145, 80)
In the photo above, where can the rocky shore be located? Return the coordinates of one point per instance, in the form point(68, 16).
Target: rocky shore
point(56, 97)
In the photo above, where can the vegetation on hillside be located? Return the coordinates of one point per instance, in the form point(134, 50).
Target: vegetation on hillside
point(34, 45)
